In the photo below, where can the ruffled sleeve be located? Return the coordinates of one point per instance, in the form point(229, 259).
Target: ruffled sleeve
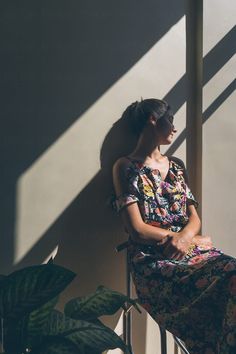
point(131, 193)
point(124, 200)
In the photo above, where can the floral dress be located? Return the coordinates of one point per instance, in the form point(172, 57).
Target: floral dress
point(193, 298)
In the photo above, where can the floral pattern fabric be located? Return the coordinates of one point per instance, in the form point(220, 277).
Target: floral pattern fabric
point(162, 203)
point(195, 297)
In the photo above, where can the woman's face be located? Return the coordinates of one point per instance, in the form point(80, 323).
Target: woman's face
point(165, 130)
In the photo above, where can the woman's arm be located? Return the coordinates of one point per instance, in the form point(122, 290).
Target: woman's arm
point(138, 229)
point(177, 246)
point(130, 214)
point(193, 226)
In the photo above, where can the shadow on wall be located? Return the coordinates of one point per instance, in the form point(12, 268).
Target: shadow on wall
point(36, 114)
point(59, 58)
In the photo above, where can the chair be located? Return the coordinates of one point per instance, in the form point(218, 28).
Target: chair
point(127, 318)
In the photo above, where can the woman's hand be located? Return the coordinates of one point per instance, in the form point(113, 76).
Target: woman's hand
point(176, 245)
point(203, 241)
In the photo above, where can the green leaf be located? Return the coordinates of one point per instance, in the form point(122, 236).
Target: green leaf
point(2, 277)
point(29, 288)
point(14, 335)
point(97, 322)
point(56, 345)
point(27, 330)
point(103, 302)
point(86, 335)
point(37, 320)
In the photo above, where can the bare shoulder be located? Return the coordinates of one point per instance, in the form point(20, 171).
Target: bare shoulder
point(119, 173)
point(121, 164)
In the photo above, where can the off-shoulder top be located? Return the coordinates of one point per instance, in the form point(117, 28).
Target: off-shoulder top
point(162, 203)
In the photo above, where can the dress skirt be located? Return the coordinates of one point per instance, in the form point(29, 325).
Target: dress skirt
point(193, 298)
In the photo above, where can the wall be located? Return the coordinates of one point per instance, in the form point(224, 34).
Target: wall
point(70, 69)
point(219, 126)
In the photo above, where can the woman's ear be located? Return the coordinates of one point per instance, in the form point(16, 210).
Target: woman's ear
point(152, 120)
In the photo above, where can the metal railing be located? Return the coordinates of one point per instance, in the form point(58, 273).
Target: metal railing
point(127, 317)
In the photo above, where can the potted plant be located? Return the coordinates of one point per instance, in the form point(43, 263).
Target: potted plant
point(31, 324)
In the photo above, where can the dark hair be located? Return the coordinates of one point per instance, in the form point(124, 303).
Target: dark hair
point(137, 113)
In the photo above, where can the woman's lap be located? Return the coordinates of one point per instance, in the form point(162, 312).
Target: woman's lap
point(194, 299)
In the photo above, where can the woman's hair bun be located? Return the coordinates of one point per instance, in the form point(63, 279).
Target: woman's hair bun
point(138, 112)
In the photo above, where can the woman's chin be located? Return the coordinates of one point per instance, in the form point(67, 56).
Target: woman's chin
point(168, 141)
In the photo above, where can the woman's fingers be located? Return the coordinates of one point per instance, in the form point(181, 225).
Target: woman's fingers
point(205, 242)
point(173, 249)
point(202, 238)
point(177, 256)
point(169, 249)
point(171, 252)
point(174, 256)
point(163, 241)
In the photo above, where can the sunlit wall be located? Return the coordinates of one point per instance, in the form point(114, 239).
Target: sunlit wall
point(219, 128)
point(71, 68)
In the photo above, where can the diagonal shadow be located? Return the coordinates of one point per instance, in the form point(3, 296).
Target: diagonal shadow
point(40, 250)
point(219, 100)
point(216, 58)
point(59, 57)
point(213, 61)
point(87, 233)
point(114, 147)
point(206, 115)
point(91, 239)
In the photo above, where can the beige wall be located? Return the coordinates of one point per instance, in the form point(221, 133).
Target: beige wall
point(61, 179)
point(219, 128)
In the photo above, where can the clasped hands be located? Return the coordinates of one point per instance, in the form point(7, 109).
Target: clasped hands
point(176, 244)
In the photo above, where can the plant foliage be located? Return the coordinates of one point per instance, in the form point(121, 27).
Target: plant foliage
point(30, 322)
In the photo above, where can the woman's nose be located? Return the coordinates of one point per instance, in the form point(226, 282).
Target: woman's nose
point(174, 129)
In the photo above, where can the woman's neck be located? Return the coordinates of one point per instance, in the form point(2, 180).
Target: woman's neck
point(147, 150)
